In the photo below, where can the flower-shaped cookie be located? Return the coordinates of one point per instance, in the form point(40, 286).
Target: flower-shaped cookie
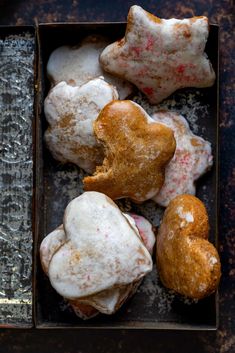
point(79, 64)
point(187, 262)
point(70, 112)
point(191, 160)
point(96, 259)
point(160, 56)
point(137, 151)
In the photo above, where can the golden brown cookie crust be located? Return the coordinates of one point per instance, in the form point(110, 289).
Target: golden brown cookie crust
point(187, 262)
point(136, 152)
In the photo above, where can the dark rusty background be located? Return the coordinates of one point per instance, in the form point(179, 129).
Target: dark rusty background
point(221, 12)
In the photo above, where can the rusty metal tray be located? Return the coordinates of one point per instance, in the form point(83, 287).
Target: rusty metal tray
point(153, 306)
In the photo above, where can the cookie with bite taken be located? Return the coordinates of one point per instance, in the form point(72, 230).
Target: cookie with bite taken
point(136, 149)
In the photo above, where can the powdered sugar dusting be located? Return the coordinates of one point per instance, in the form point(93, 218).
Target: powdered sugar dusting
point(187, 103)
point(159, 296)
point(156, 294)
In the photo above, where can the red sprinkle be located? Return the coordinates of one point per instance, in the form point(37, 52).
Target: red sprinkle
point(148, 90)
point(181, 68)
point(137, 50)
point(150, 42)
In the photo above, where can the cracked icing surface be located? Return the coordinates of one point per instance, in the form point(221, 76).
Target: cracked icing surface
point(16, 178)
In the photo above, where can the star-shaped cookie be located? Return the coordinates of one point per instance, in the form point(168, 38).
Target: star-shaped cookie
point(160, 56)
point(192, 158)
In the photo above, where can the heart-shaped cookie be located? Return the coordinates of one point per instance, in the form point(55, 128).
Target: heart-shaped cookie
point(187, 262)
point(136, 149)
point(160, 56)
point(107, 301)
point(70, 112)
point(101, 249)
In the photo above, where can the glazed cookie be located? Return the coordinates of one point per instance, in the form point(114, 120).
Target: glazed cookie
point(137, 151)
point(107, 301)
point(192, 158)
point(145, 230)
point(70, 112)
point(79, 64)
point(187, 262)
point(160, 56)
point(86, 261)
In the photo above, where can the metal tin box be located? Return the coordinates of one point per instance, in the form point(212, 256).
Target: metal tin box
point(152, 307)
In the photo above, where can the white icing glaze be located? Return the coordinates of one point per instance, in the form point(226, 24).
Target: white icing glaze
point(50, 244)
point(80, 64)
point(188, 216)
point(70, 111)
point(193, 157)
point(101, 249)
point(108, 300)
point(212, 261)
point(160, 56)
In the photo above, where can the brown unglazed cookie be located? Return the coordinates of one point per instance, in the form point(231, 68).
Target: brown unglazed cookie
point(187, 262)
point(136, 152)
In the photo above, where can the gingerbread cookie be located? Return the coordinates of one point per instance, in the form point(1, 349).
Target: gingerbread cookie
point(187, 262)
point(137, 151)
point(85, 259)
point(107, 301)
point(160, 56)
point(79, 64)
point(70, 112)
point(192, 158)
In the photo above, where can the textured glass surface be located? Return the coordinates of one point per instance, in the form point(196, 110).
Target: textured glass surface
point(16, 179)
